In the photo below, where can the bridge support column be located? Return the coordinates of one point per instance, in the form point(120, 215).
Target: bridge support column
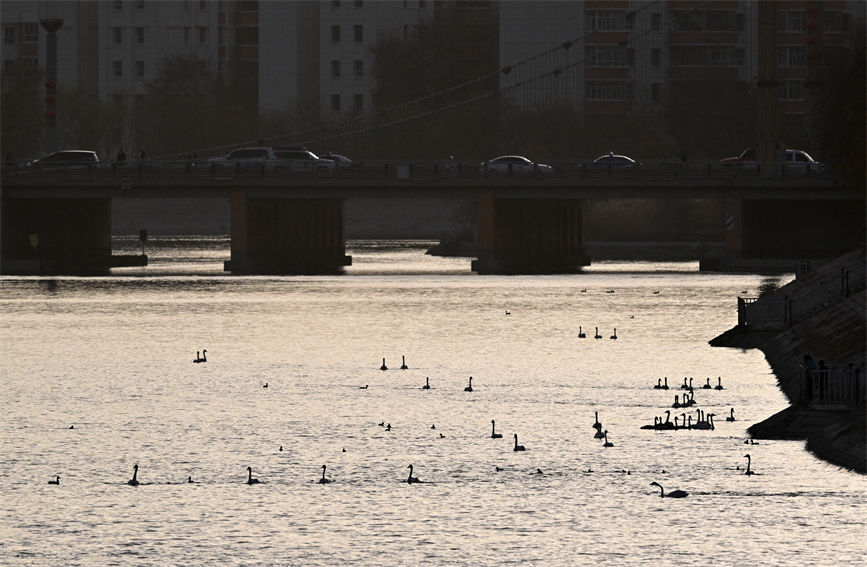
point(530, 236)
point(55, 237)
point(279, 236)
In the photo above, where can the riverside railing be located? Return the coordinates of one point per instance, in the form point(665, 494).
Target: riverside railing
point(834, 385)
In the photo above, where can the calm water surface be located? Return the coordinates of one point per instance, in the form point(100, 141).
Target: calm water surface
point(113, 357)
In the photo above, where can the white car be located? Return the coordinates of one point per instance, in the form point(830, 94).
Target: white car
point(258, 156)
point(299, 159)
point(799, 161)
point(514, 164)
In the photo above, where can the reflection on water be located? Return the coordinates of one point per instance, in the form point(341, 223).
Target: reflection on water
point(113, 357)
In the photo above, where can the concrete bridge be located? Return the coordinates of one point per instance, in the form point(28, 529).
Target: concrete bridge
point(59, 221)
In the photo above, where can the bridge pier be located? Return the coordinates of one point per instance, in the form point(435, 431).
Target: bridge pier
point(283, 236)
point(55, 236)
point(530, 236)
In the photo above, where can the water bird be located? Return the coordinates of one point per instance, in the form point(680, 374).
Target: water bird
point(281, 448)
point(672, 494)
point(719, 385)
point(665, 383)
point(707, 385)
point(71, 427)
point(676, 404)
point(732, 416)
point(497, 468)
point(55, 481)
point(383, 367)
point(684, 386)
point(442, 436)
point(614, 336)
point(470, 387)
point(655, 422)
point(518, 447)
point(539, 471)
point(581, 334)
point(596, 423)
point(250, 479)
point(323, 480)
point(584, 290)
point(508, 312)
point(265, 385)
point(494, 434)
point(607, 442)
point(344, 449)
point(388, 427)
point(364, 387)
point(203, 358)
point(426, 384)
point(656, 292)
point(748, 471)
point(597, 335)
point(403, 365)
point(411, 479)
point(667, 424)
point(658, 384)
point(133, 481)
point(382, 424)
point(433, 426)
point(598, 434)
point(190, 480)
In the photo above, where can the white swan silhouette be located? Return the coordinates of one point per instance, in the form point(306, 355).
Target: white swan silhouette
point(411, 479)
point(323, 480)
point(250, 479)
point(204, 357)
point(426, 384)
point(494, 434)
point(403, 365)
point(55, 481)
point(133, 481)
point(470, 387)
point(672, 494)
point(518, 447)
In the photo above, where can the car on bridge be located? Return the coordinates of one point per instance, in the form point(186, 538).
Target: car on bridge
point(793, 161)
point(614, 161)
point(66, 159)
point(251, 157)
point(296, 158)
point(514, 164)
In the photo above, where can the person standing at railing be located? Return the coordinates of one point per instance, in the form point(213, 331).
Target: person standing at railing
point(809, 366)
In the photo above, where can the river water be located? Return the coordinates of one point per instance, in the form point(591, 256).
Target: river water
point(97, 375)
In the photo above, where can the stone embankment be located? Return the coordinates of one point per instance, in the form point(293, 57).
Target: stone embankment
point(821, 313)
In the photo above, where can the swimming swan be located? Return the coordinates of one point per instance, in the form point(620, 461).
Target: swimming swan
point(596, 423)
point(403, 365)
point(426, 384)
point(383, 367)
point(55, 481)
point(707, 385)
point(323, 480)
point(732, 416)
point(748, 471)
point(204, 357)
point(672, 494)
point(597, 335)
point(250, 479)
point(518, 447)
point(470, 387)
point(411, 479)
point(614, 336)
point(719, 385)
point(581, 334)
point(133, 481)
point(494, 434)
point(607, 442)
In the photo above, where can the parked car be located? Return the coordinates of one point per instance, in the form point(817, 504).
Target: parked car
point(300, 159)
point(65, 159)
point(514, 164)
point(614, 161)
point(794, 161)
point(340, 160)
point(258, 156)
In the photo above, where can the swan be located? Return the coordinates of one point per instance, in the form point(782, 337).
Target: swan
point(71, 427)
point(597, 335)
point(614, 336)
point(433, 426)
point(494, 434)
point(748, 471)
point(518, 447)
point(667, 424)
point(707, 385)
point(684, 386)
point(508, 312)
point(265, 385)
point(55, 481)
point(411, 479)
point(658, 384)
point(598, 434)
point(655, 422)
point(323, 480)
point(719, 385)
point(133, 481)
point(672, 494)
point(596, 424)
point(426, 384)
point(403, 365)
point(250, 479)
point(383, 367)
point(607, 442)
point(676, 404)
point(665, 383)
point(581, 334)
point(364, 387)
point(732, 416)
point(710, 419)
point(470, 387)
point(204, 357)
point(388, 427)
point(190, 480)
point(690, 401)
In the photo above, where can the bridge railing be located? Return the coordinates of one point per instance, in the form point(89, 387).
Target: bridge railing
point(420, 170)
point(838, 385)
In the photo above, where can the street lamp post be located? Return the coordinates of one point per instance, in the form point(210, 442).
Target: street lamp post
point(51, 25)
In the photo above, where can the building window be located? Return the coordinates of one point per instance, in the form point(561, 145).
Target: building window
point(186, 36)
point(791, 20)
point(358, 68)
point(835, 21)
point(203, 34)
point(139, 35)
point(335, 34)
point(117, 68)
point(221, 37)
point(654, 21)
point(358, 102)
point(118, 4)
point(118, 35)
point(335, 102)
point(607, 56)
point(607, 20)
point(791, 56)
point(358, 33)
point(139, 69)
point(655, 57)
point(31, 32)
point(791, 90)
point(655, 89)
point(8, 34)
point(247, 36)
point(607, 90)
point(705, 55)
point(335, 68)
